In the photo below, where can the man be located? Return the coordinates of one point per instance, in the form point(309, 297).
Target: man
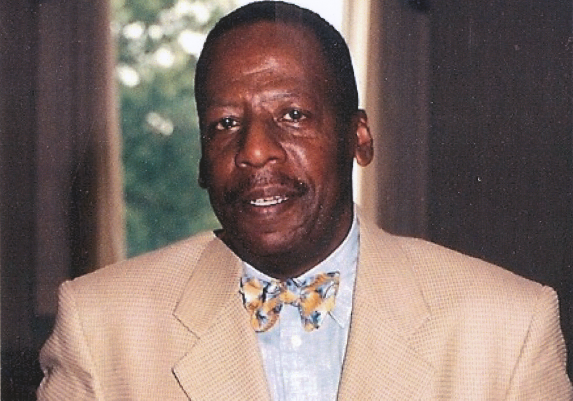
point(218, 317)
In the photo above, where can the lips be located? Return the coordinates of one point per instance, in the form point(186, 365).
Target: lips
point(266, 191)
point(268, 197)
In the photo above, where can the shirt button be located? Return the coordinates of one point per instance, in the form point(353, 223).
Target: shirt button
point(295, 341)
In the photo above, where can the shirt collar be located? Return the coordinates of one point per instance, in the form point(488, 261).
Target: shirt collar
point(344, 259)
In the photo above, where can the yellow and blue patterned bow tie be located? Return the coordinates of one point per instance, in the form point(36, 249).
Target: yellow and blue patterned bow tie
point(314, 297)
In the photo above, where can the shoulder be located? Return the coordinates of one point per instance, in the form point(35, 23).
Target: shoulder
point(453, 277)
point(160, 274)
point(454, 282)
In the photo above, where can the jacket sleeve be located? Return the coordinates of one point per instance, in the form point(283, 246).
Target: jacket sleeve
point(540, 372)
point(69, 372)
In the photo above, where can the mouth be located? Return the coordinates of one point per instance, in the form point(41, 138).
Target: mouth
point(268, 201)
point(265, 193)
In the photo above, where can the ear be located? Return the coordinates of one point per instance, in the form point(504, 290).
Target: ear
point(364, 150)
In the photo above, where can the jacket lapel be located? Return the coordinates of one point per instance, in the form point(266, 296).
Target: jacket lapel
point(382, 361)
point(224, 361)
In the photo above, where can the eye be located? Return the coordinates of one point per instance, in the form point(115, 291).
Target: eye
point(294, 115)
point(226, 123)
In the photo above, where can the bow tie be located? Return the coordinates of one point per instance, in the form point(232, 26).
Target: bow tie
point(314, 297)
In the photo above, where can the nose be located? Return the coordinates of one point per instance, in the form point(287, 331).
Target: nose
point(260, 144)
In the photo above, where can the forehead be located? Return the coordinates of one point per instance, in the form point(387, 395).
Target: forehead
point(267, 48)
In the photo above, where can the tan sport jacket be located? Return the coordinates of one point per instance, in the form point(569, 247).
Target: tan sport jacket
point(427, 324)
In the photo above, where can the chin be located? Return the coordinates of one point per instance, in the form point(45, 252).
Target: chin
point(269, 245)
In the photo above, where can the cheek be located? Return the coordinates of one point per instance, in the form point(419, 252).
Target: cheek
point(319, 166)
point(332, 169)
point(217, 166)
point(318, 148)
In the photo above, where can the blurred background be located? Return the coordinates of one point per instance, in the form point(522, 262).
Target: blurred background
point(469, 102)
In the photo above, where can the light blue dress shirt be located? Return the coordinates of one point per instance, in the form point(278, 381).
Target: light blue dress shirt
point(303, 365)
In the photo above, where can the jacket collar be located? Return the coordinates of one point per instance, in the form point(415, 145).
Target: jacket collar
point(213, 285)
point(387, 281)
point(224, 361)
point(382, 360)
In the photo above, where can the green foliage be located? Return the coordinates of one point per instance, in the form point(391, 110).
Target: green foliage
point(157, 44)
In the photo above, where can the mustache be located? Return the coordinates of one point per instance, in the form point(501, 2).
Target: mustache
point(242, 187)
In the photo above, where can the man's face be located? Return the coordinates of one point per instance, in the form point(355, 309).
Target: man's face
point(276, 169)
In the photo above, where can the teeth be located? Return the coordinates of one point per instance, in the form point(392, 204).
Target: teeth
point(270, 201)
